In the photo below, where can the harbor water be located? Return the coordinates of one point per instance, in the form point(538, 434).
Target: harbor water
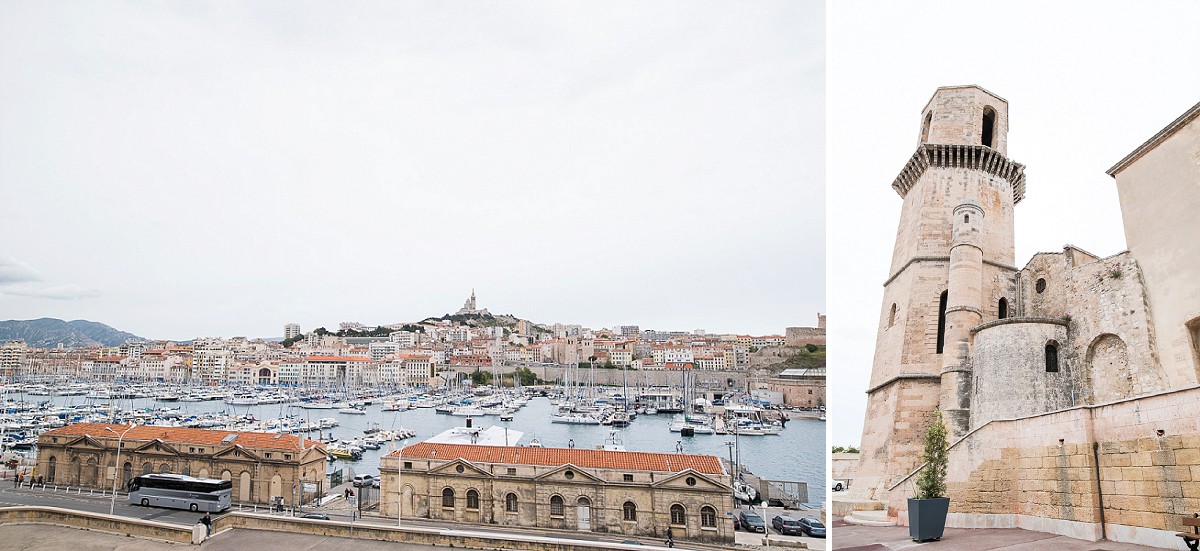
point(795, 454)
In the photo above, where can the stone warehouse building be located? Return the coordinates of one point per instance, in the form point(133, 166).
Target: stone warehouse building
point(1069, 386)
point(260, 465)
point(634, 493)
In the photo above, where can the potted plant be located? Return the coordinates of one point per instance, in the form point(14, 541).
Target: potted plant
point(927, 511)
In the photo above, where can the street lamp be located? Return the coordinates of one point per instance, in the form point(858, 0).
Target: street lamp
point(112, 506)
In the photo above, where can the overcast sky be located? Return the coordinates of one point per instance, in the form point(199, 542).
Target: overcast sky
point(1085, 86)
point(184, 169)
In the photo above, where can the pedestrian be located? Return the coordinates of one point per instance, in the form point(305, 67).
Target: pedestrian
point(39, 481)
point(670, 538)
point(20, 479)
point(206, 520)
point(16, 479)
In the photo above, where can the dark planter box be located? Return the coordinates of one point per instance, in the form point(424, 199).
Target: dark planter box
point(927, 518)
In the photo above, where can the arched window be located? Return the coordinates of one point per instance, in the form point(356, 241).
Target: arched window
point(678, 515)
point(629, 511)
point(472, 500)
point(448, 498)
point(164, 468)
point(1051, 357)
point(925, 127)
point(708, 517)
point(556, 506)
point(892, 315)
point(989, 125)
point(510, 502)
point(187, 471)
point(941, 337)
point(147, 468)
point(1040, 285)
point(1003, 308)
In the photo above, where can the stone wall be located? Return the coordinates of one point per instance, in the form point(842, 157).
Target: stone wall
point(1159, 192)
point(843, 467)
point(1011, 378)
point(636, 378)
point(893, 435)
point(1042, 473)
point(805, 393)
point(800, 336)
point(1111, 342)
point(96, 521)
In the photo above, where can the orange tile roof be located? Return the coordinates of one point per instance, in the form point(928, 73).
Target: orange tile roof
point(181, 435)
point(555, 457)
point(338, 359)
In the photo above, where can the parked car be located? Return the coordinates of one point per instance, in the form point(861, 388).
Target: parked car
point(751, 522)
point(316, 516)
point(837, 485)
point(375, 483)
point(363, 480)
point(786, 525)
point(812, 527)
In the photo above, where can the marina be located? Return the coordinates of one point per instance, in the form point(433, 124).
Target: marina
point(359, 429)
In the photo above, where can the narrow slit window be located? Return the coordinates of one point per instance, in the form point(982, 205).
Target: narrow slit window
point(1051, 358)
point(941, 335)
point(989, 124)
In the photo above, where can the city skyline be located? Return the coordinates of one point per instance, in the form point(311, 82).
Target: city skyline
point(223, 169)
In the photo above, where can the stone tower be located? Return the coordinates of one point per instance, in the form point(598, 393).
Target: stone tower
point(952, 269)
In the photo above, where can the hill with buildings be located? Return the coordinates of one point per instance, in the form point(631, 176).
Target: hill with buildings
point(51, 332)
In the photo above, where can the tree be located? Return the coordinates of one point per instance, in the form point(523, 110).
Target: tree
point(287, 343)
point(811, 347)
point(481, 377)
point(526, 376)
point(931, 482)
point(847, 449)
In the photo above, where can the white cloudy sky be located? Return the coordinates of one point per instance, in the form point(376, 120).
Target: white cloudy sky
point(1086, 83)
point(182, 169)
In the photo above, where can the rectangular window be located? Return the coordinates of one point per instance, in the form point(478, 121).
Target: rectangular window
point(408, 464)
point(511, 471)
point(627, 477)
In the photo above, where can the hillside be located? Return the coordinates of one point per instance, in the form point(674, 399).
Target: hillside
point(50, 332)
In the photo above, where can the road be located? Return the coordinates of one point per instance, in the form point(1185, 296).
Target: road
point(96, 503)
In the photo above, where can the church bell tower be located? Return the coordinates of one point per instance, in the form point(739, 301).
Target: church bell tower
point(952, 269)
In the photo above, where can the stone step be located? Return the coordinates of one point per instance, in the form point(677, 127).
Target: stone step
point(843, 506)
point(871, 518)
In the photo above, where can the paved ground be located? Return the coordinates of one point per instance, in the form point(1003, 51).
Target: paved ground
point(852, 537)
point(41, 537)
point(768, 513)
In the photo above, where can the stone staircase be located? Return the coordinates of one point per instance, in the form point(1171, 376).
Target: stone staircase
point(864, 512)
